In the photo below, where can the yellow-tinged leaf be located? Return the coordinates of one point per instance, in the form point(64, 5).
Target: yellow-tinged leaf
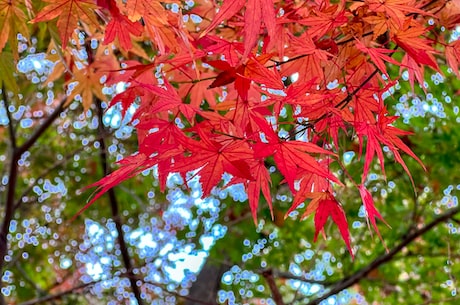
point(137, 9)
point(315, 197)
point(88, 82)
point(12, 21)
point(69, 13)
point(8, 69)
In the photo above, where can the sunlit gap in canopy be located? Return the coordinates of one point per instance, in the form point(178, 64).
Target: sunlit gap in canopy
point(156, 240)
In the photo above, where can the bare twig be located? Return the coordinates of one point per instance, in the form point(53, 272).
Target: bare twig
point(46, 172)
point(59, 295)
point(386, 257)
point(290, 276)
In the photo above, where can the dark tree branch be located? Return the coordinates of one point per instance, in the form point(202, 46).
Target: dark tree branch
point(43, 127)
point(31, 282)
point(290, 276)
point(276, 295)
point(10, 119)
point(16, 153)
point(114, 206)
point(8, 214)
point(388, 256)
point(9, 204)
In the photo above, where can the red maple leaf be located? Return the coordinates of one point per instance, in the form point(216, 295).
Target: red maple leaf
point(129, 167)
point(255, 12)
point(410, 38)
point(211, 158)
point(371, 211)
point(323, 204)
point(382, 133)
point(121, 27)
point(378, 56)
point(261, 183)
point(290, 156)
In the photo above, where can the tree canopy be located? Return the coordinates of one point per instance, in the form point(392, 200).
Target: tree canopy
point(138, 136)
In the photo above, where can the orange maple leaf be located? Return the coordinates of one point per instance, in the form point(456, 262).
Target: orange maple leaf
point(69, 13)
point(453, 56)
point(121, 26)
point(323, 204)
point(12, 21)
point(395, 9)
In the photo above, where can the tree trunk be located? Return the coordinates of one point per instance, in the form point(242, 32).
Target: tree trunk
point(204, 289)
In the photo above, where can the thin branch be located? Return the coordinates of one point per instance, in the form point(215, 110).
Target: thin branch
point(31, 282)
point(104, 162)
point(10, 118)
point(58, 295)
point(440, 301)
point(173, 293)
point(386, 257)
point(46, 172)
point(276, 295)
point(289, 276)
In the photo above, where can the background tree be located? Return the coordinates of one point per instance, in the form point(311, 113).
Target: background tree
point(289, 98)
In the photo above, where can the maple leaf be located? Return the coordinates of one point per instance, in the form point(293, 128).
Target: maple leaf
point(409, 38)
point(309, 185)
point(395, 9)
point(323, 204)
point(453, 56)
point(325, 21)
point(382, 133)
point(12, 22)
point(255, 12)
point(242, 75)
point(289, 156)
point(261, 183)
point(415, 70)
point(391, 138)
point(226, 11)
point(198, 91)
point(129, 167)
point(127, 98)
point(217, 45)
point(137, 9)
point(167, 99)
point(257, 72)
point(380, 24)
point(88, 82)
point(378, 56)
point(69, 13)
point(365, 106)
point(121, 26)
point(211, 159)
point(371, 211)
